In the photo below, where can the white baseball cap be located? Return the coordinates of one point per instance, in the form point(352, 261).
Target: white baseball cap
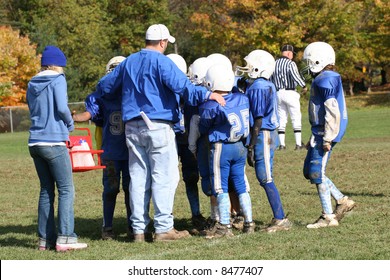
point(159, 32)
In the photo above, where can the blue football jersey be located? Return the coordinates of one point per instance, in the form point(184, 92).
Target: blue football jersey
point(92, 105)
point(325, 86)
point(109, 111)
point(263, 103)
point(229, 123)
point(186, 113)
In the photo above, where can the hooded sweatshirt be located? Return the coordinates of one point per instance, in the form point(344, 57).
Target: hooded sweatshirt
point(47, 101)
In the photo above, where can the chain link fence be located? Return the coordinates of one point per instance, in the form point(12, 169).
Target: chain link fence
point(17, 118)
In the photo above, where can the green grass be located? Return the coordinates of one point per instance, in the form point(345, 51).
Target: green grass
point(359, 167)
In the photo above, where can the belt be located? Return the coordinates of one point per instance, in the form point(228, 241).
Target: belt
point(286, 89)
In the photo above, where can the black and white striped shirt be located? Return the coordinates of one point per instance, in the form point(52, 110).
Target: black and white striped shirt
point(286, 75)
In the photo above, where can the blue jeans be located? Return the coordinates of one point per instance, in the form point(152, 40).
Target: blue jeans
point(154, 173)
point(53, 167)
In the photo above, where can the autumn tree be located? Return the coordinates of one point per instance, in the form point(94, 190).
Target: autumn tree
point(374, 36)
point(89, 32)
point(18, 64)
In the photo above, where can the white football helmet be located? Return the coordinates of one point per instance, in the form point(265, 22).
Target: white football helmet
point(259, 63)
point(179, 61)
point(114, 62)
point(219, 77)
point(318, 55)
point(197, 70)
point(218, 58)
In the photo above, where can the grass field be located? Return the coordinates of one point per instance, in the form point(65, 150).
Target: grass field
point(359, 167)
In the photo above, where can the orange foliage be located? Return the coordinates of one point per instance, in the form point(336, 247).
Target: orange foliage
point(18, 64)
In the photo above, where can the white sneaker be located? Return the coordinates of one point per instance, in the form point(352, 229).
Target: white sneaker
point(325, 220)
point(70, 246)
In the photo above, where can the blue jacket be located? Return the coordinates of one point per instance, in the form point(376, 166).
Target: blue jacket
point(47, 101)
point(152, 83)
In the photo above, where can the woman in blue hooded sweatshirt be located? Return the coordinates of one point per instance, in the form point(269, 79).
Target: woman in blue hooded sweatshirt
point(51, 122)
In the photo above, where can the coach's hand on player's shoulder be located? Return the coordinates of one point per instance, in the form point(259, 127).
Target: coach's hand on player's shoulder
point(251, 156)
point(218, 97)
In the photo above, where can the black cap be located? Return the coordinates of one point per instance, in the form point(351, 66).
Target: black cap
point(286, 48)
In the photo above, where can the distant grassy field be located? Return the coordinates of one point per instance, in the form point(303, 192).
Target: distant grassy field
point(359, 167)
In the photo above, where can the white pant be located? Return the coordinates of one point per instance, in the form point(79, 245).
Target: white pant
point(288, 103)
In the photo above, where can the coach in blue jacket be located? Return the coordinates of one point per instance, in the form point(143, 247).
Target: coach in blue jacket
point(152, 84)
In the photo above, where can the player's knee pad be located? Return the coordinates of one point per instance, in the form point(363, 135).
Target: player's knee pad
point(314, 172)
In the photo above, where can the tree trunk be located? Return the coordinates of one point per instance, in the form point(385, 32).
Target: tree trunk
point(383, 77)
point(351, 88)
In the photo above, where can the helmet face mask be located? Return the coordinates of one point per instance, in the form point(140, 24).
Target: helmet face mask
point(242, 70)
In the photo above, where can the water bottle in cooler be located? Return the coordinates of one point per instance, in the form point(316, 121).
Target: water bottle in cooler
point(82, 159)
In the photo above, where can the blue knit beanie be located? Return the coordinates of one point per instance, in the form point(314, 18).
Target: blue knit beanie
point(53, 56)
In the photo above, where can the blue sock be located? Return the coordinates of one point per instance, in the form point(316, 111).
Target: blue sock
point(274, 200)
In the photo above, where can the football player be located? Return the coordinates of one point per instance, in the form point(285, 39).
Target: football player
point(264, 136)
point(189, 164)
point(328, 118)
point(115, 156)
point(226, 128)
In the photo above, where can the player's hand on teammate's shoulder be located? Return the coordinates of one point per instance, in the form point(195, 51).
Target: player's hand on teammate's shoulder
point(217, 97)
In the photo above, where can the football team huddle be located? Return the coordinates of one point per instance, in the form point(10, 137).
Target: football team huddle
point(151, 111)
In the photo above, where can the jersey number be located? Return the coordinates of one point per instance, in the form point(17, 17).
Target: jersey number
point(116, 123)
point(236, 131)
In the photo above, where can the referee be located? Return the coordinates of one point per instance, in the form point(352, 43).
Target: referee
point(286, 77)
